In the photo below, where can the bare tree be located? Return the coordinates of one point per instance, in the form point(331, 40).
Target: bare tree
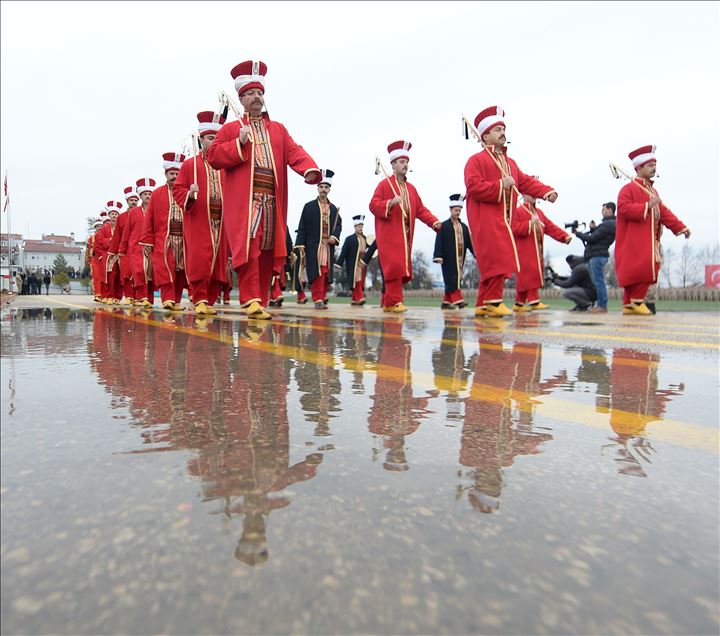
point(687, 267)
point(421, 271)
point(471, 273)
point(610, 273)
point(667, 267)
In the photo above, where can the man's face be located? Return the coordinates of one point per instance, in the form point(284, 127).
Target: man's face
point(132, 202)
point(647, 170)
point(145, 196)
point(206, 141)
point(171, 175)
point(112, 215)
point(252, 101)
point(455, 212)
point(323, 190)
point(495, 136)
point(359, 228)
point(400, 166)
point(607, 212)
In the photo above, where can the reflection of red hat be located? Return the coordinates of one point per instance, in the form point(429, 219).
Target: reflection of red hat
point(486, 119)
point(209, 122)
point(144, 185)
point(130, 192)
point(172, 160)
point(249, 74)
point(399, 150)
point(643, 155)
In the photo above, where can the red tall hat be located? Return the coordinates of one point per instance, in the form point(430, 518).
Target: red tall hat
point(113, 206)
point(486, 119)
point(172, 160)
point(209, 122)
point(643, 155)
point(144, 185)
point(249, 74)
point(399, 150)
point(130, 192)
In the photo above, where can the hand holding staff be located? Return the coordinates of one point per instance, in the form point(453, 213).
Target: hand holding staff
point(397, 199)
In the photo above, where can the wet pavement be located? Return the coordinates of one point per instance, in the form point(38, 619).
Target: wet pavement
point(346, 472)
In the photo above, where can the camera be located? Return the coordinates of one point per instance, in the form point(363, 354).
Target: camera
point(549, 275)
point(574, 225)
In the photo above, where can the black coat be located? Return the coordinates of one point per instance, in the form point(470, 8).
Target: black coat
point(350, 258)
point(446, 249)
point(369, 253)
point(308, 235)
point(598, 242)
point(579, 277)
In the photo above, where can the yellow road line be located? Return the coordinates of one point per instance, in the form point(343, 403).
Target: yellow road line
point(673, 432)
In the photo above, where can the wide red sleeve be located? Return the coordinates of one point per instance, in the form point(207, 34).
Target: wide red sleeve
point(123, 246)
point(181, 187)
point(478, 185)
point(103, 239)
point(299, 160)
point(532, 186)
point(148, 232)
point(520, 224)
point(380, 202)
point(670, 221)
point(115, 240)
point(552, 230)
point(422, 213)
point(227, 151)
point(628, 207)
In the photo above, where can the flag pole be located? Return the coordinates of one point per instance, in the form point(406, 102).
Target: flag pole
point(6, 209)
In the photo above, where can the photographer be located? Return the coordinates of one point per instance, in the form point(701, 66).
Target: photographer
point(578, 286)
point(597, 245)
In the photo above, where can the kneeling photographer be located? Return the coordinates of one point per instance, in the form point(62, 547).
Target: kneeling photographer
point(597, 251)
point(578, 286)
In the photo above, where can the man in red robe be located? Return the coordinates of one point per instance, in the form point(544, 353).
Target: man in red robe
point(529, 227)
point(396, 204)
point(112, 268)
point(493, 181)
point(163, 237)
point(255, 154)
point(641, 215)
point(126, 287)
point(130, 249)
point(100, 248)
point(198, 191)
point(94, 262)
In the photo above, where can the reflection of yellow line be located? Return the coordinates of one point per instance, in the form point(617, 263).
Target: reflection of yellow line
point(668, 431)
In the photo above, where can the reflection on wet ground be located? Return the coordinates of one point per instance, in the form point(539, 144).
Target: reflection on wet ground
point(338, 474)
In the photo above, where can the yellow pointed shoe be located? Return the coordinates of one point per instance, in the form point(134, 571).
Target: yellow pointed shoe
point(211, 311)
point(169, 305)
point(641, 309)
point(627, 311)
point(521, 308)
point(481, 312)
point(256, 312)
point(539, 307)
point(201, 309)
point(146, 303)
point(498, 310)
point(395, 309)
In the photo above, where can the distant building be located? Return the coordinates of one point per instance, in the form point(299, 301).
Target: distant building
point(42, 254)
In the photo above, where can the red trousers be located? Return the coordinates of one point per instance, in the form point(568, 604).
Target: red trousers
point(276, 291)
point(144, 291)
point(113, 288)
point(358, 292)
point(319, 287)
point(528, 296)
point(173, 291)
point(255, 275)
point(635, 293)
point(393, 292)
point(453, 297)
point(204, 290)
point(491, 290)
point(128, 289)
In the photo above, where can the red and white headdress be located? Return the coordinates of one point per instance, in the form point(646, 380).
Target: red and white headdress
point(130, 193)
point(486, 119)
point(97, 223)
point(104, 216)
point(209, 122)
point(172, 160)
point(113, 206)
point(249, 74)
point(643, 155)
point(144, 185)
point(399, 150)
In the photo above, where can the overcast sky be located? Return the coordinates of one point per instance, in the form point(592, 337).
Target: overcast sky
point(94, 93)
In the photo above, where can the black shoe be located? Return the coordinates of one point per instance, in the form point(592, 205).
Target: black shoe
point(651, 307)
point(319, 305)
point(325, 302)
point(272, 303)
point(446, 305)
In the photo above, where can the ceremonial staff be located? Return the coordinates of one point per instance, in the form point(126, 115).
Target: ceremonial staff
point(227, 102)
point(378, 167)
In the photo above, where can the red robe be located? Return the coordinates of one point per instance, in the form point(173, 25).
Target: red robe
point(492, 236)
point(202, 261)
point(394, 245)
point(115, 244)
point(102, 243)
point(238, 164)
point(638, 231)
point(156, 232)
point(94, 265)
point(530, 246)
point(130, 248)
